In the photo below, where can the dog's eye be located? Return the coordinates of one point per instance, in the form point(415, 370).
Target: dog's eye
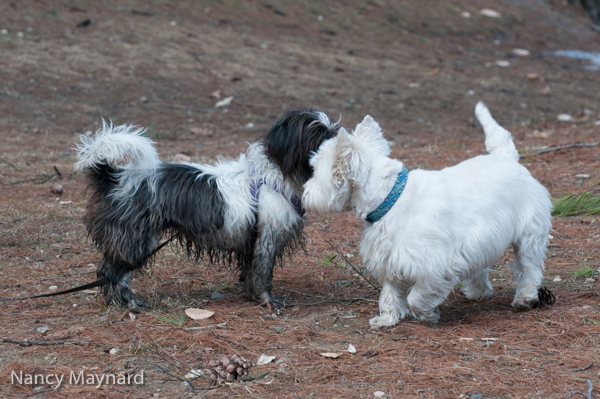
point(338, 179)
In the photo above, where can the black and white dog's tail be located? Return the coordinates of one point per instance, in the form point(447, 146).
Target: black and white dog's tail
point(135, 198)
point(122, 145)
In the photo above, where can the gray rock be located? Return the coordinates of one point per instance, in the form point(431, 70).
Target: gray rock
point(216, 296)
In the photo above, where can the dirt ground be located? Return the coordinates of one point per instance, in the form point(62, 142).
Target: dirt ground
point(418, 67)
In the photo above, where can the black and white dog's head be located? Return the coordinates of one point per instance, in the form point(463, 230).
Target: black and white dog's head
point(294, 137)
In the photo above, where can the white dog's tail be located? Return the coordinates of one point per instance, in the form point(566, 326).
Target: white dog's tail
point(117, 145)
point(498, 140)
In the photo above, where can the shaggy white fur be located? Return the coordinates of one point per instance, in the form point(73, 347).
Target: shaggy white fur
point(447, 226)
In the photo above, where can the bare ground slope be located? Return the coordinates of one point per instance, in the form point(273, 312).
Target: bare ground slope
point(417, 67)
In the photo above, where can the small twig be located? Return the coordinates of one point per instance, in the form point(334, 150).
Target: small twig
point(160, 349)
point(37, 393)
point(220, 325)
point(166, 353)
point(351, 265)
point(332, 299)
point(43, 342)
point(57, 172)
point(8, 163)
point(36, 180)
point(173, 375)
point(560, 147)
point(142, 13)
point(579, 369)
point(184, 107)
point(589, 392)
point(258, 377)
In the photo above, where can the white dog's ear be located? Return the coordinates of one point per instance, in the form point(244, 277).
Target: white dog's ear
point(368, 127)
point(368, 134)
point(344, 149)
point(343, 138)
point(350, 156)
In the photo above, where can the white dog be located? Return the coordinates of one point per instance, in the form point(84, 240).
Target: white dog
point(446, 227)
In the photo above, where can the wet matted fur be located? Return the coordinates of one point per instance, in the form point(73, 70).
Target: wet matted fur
point(244, 213)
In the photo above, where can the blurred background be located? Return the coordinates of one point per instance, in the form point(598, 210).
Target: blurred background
point(218, 72)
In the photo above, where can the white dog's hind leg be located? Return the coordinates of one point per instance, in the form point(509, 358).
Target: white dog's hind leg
point(424, 299)
point(392, 306)
point(479, 287)
point(528, 266)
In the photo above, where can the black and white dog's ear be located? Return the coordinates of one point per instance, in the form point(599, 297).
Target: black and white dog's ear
point(293, 138)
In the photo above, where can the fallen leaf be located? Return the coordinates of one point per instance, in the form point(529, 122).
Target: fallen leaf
point(490, 13)
point(331, 355)
point(194, 374)
point(224, 102)
point(199, 131)
point(264, 359)
point(521, 52)
point(565, 118)
point(199, 314)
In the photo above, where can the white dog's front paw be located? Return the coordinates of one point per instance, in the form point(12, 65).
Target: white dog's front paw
point(383, 321)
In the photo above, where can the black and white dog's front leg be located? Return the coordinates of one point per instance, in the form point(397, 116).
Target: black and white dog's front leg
point(279, 228)
point(258, 279)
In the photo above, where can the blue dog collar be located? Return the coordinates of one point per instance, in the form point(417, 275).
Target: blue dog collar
point(391, 199)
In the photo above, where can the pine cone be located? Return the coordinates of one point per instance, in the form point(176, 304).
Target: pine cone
point(546, 297)
point(229, 369)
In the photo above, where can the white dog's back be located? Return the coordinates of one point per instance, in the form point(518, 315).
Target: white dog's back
point(463, 217)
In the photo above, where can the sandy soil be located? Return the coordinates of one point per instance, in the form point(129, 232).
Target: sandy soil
point(417, 67)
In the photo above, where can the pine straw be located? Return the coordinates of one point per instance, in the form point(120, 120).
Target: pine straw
point(537, 354)
point(576, 204)
point(532, 355)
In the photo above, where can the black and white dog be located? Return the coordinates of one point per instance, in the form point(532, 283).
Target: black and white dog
point(245, 212)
